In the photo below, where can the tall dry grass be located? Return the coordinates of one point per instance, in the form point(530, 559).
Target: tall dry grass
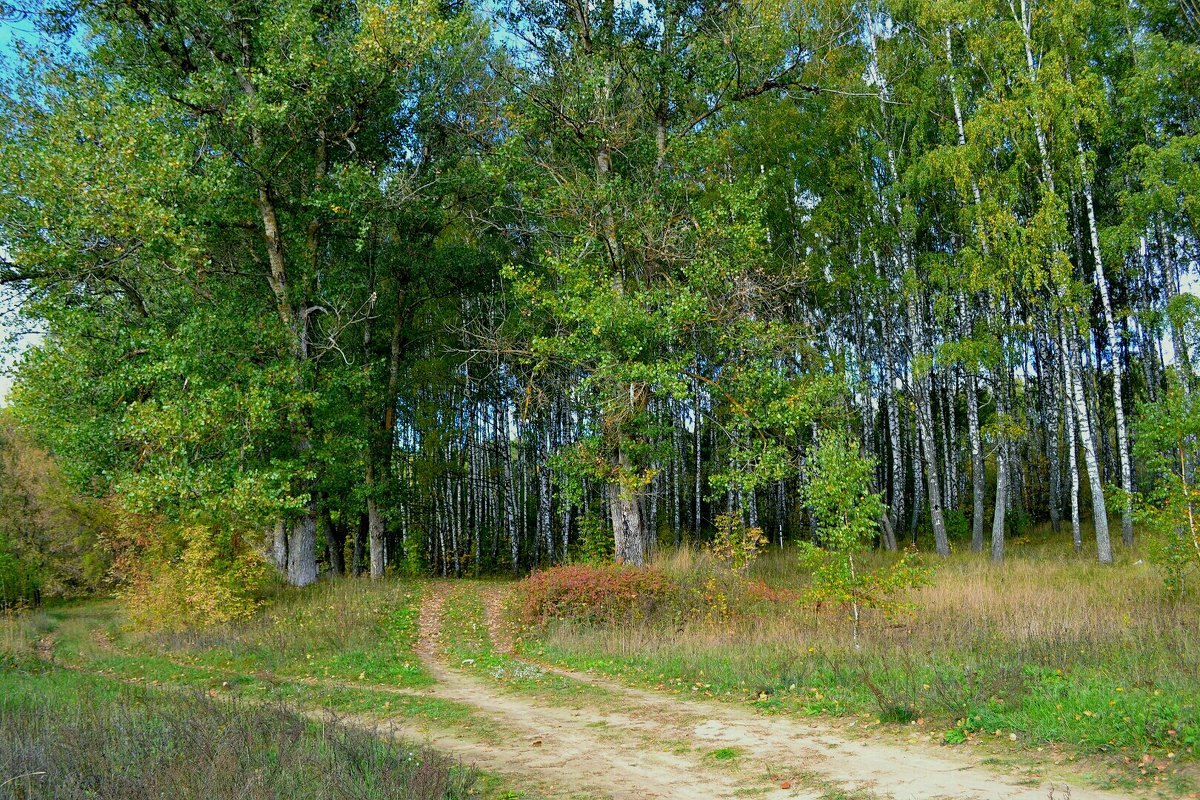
point(1046, 643)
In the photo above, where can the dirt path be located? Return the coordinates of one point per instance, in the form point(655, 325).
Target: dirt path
point(646, 745)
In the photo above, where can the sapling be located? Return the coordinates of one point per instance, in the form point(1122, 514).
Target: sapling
point(848, 514)
point(1167, 436)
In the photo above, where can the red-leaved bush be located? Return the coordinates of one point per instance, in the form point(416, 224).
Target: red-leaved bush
point(591, 593)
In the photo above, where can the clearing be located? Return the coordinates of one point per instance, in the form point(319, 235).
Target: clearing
point(551, 732)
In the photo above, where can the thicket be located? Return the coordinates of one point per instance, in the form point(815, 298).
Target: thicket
point(51, 537)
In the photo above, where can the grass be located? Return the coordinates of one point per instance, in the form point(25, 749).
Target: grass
point(66, 734)
point(1047, 649)
point(340, 650)
point(337, 630)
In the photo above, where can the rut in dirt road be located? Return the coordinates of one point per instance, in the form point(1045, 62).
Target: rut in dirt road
point(647, 745)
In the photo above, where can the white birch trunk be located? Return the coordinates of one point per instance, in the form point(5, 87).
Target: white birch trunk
point(1099, 512)
point(1117, 378)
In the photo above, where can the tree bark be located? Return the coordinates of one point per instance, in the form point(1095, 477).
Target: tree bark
point(1001, 502)
point(302, 549)
point(1099, 512)
point(279, 547)
point(630, 527)
point(1114, 348)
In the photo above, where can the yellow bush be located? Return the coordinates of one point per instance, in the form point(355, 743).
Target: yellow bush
point(194, 578)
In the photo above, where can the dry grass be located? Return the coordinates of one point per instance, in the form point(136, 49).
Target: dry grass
point(1047, 644)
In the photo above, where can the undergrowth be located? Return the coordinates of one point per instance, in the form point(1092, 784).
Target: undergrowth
point(342, 630)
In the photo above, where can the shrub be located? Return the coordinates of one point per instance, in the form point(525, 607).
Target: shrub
point(586, 593)
point(735, 545)
point(19, 584)
point(192, 577)
point(958, 527)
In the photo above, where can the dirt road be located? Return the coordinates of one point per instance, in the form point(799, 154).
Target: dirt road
point(622, 743)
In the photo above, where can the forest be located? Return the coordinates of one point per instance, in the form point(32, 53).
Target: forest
point(600, 399)
point(455, 289)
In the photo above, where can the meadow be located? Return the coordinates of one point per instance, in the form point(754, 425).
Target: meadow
point(1047, 655)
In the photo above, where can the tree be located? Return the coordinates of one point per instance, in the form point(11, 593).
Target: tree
point(257, 149)
point(847, 512)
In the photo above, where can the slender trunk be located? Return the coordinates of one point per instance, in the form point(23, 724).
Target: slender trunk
point(925, 430)
point(698, 493)
point(1002, 500)
point(1114, 348)
point(978, 473)
point(677, 476)
point(1072, 451)
point(896, 506)
point(545, 517)
point(360, 542)
point(914, 457)
point(1171, 288)
point(510, 489)
point(1099, 513)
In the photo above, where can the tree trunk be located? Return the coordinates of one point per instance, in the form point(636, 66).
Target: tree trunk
point(279, 547)
point(302, 549)
point(1072, 449)
point(978, 472)
point(631, 532)
point(1114, 348)
point(925, 430)
point(360, 542)
point(1001, 502)
point(1099, 513)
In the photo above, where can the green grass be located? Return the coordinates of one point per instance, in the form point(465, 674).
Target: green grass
point(89, 637)
point(337, 630)
point(291, 661)
point(725, 754)
point(66, 734)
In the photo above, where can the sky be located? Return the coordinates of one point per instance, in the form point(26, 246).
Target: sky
point(11, 31)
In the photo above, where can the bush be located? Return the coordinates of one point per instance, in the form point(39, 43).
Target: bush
point(735, 545)
point(585, 593)
point(19, 584)
point(958, 527)
point(191, 578)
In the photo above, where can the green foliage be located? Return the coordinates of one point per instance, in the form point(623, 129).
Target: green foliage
point(1169, 507)
point(595, 542)
point(51, 538)
point(958, 526)
point(19, 584)
point(191, 576)
point(838, 491)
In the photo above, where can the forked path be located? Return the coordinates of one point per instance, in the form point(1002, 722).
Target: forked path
point(615, 741)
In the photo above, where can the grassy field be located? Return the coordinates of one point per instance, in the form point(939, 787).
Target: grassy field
point(1046, 658)
point(1048, 653)
point(295, 703)
point(67, 735)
